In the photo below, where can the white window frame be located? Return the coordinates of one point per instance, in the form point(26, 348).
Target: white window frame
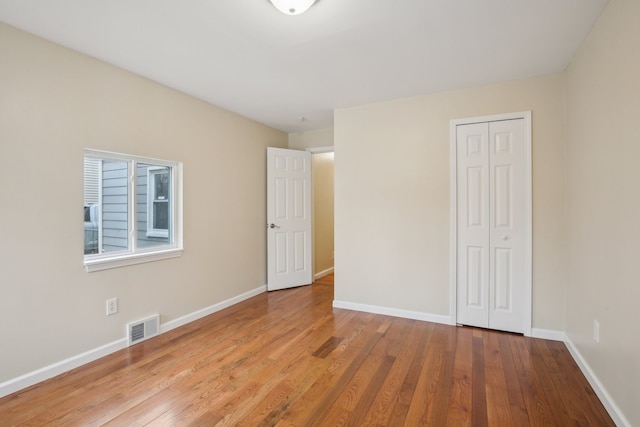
point(151, 199)
point(134, 255)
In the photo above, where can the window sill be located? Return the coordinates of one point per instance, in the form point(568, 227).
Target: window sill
point(158, 233)
point(99, 264)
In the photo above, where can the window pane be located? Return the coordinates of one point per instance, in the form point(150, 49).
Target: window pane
point(114, 207)
point(161, 181)
point(105, 206)
point(91, 205)
point(91, 239)
point(161, 215)
point(153, 210)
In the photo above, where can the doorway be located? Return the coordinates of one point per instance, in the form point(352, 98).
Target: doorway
point(323, 211)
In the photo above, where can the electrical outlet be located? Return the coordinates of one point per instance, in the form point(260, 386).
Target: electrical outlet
point(112, 306)
point(596, 331)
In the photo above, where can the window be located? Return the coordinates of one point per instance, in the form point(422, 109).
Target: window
point(158, 201)
point(132, 210)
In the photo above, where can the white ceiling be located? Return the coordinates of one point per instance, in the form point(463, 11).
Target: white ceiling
point(247, 57)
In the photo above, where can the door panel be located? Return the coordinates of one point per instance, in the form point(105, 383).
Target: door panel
point(280, 253)
point(280, 198)
point(503, 191)
point(474, 277)
point(288, 218)
point(503, 279)
point(300, 251)
point(299, 199)
point(475, 196)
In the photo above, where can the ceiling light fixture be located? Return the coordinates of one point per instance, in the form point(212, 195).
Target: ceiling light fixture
point(292, 7)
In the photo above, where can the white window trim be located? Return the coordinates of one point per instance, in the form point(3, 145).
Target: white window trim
point(134, 255)
point(123, 260)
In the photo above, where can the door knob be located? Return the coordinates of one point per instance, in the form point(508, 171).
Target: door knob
point(273, 225)
point(505, 237)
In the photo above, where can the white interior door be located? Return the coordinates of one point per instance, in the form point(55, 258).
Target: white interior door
point(473, 224)
point(288, 218)
point(491, 279)
point(506, 243)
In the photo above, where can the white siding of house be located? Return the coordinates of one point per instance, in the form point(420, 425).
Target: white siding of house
point(114, 205)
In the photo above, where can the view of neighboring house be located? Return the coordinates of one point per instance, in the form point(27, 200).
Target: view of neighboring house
point(106, 221)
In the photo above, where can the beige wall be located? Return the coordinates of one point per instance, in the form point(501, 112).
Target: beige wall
point(311, 139)
point(322, 212)
point(603, 187)
point(392, 196)
point(54, 103)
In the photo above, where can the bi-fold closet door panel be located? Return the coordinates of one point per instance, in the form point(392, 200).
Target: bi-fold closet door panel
point(490, 224)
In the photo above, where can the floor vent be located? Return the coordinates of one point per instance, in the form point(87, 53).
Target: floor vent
point(143, 329)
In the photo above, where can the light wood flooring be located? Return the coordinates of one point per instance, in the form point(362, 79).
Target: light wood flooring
point(287, 358)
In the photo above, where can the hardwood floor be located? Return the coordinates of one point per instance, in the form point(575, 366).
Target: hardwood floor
point(287, 358)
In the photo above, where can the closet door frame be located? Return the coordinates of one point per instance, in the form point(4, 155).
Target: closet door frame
point(528, 209)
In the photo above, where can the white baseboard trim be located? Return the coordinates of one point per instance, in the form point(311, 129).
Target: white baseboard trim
point(548, 334)
point(180, 321)
point(604, 396)
point(406, 314)
point(42, 374)
point(323, 273)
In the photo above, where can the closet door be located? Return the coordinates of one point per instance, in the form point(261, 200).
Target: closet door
point(473, 224)
point(490, 224)
point(506, 239)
